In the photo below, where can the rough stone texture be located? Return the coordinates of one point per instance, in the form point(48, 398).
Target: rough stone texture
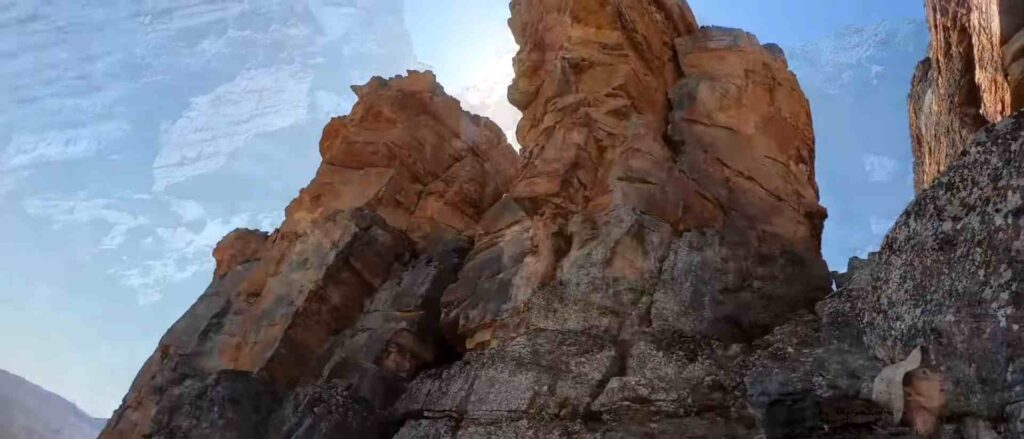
point(614, 283)
point(340, 305)
point(602, 199)
point(643, 237)
point(963, 301)
point(972, 77)
point(948, 281)
point(853, 267)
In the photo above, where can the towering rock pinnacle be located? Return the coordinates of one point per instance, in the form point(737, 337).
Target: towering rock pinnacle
point(665, 208)
point(973, 76)
point(604, 192)
point(428, 283)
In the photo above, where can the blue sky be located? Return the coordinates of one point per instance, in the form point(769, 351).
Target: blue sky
point(794, 22)
point(139, 142)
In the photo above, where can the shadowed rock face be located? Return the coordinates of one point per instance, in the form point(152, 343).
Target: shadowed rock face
point(963, 301)
point(974, 75)
point(946, 283)
point(647, 269)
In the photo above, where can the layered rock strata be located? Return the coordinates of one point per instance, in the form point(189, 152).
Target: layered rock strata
point(973, 76)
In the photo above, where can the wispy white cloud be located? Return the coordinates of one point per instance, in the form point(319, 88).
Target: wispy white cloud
point(8, 181)
point(27, 149)
point(187, 210)
point(486, 92)
point(79, 210)
point(219, 123)
point(880, 168)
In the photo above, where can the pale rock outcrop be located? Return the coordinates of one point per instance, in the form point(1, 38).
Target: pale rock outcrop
point(972, 77)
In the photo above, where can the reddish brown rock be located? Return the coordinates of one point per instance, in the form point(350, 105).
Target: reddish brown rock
point(665, 208)
point(664, 216)
point(591, 80)
point(602, 192)
point(406, 173)
point(972, 77)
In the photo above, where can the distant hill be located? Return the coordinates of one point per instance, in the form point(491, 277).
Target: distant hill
point(28, 411)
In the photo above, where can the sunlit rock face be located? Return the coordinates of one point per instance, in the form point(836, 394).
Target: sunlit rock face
point(347, 288)
point(974, 75)
point(664, 208)
point(636, 243)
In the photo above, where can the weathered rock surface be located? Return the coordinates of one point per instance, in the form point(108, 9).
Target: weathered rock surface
point(963, 301)
point(405, 176)
point(643, 237)
point(651, 268)
point(972, 77)
point(946, 284)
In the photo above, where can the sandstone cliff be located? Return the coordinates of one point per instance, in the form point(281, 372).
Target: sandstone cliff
point(429, 280)
point(974, 75)
point(648, 267)
point(403, 178)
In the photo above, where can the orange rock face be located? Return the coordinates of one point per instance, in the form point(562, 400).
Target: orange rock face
point(429, 282)
point(743, 126)
point(973, 76)
point(602, 187)
point(592, 80)
point(406, 171)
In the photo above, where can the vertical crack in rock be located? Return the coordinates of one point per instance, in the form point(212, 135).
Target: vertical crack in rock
point(972, 77)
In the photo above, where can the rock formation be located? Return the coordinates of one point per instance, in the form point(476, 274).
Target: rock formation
point(973, 76)
point(945, 286)
point(637, 258)
point(664, 208)
point(403, 178)
point(649, 267)
point(963, 301)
